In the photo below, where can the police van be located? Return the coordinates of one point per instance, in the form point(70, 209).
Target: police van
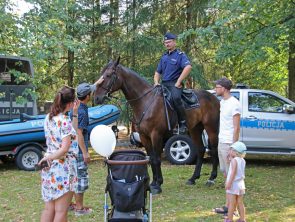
point(267, 125)
point(267, 121)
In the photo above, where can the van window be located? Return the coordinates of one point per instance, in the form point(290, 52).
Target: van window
point(264, 102)
point(234, 94)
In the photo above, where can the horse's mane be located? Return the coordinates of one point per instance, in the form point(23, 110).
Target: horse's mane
point(126, 70)
point(107, 66)
point(133, 73)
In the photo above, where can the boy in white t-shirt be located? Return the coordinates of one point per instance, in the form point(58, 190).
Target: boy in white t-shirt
point(229, 127)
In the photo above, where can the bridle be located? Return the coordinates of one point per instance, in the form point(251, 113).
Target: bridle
point(111, 83)
point(114, 77)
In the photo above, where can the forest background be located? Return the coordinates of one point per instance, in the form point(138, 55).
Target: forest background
point(70, 41)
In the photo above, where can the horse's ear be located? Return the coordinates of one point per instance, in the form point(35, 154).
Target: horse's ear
point(117, 62)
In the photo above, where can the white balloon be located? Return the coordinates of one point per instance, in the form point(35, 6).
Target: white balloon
point(103, 140)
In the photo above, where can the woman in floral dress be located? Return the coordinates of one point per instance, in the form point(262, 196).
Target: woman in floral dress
point(59, 179)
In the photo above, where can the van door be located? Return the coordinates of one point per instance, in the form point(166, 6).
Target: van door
point(264, 123)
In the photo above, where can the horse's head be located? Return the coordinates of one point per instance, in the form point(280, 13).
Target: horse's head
point(110, 84)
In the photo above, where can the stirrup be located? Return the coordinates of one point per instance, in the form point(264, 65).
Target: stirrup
point(181, 129)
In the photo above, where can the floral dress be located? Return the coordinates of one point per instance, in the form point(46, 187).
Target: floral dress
point(62, 174)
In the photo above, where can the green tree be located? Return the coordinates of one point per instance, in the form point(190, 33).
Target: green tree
point(9, 35)
point(254, 42)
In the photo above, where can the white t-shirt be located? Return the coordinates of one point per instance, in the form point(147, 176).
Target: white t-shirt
point(228, 108)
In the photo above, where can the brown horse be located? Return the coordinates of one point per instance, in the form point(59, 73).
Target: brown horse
point(148, 108)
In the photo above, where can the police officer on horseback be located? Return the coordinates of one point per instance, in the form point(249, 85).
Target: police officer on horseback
point(173, 68)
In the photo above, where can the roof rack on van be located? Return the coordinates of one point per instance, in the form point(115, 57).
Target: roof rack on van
point(241, 86)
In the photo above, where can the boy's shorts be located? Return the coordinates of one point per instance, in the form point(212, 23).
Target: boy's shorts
point(83, 178)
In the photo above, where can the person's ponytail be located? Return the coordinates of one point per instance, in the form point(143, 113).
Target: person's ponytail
point(62, 98)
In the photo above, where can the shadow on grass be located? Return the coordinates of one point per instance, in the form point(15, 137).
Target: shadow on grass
point(266, 160)
point(7, 164)
point(271, 160)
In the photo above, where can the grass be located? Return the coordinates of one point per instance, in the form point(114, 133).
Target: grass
point(270, 194)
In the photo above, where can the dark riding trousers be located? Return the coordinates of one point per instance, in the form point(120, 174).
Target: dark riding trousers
point(176, 97)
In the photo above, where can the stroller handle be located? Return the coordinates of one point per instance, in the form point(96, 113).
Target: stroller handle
point(134, 162)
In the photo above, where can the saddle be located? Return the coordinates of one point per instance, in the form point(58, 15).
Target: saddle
point(189, 98)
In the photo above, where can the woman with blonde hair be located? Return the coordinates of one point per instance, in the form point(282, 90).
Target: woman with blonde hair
point(59, 177)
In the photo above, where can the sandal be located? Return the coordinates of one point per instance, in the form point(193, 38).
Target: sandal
point(221, 210)
point(72, 207)
point(83, 211)
point(236, 213)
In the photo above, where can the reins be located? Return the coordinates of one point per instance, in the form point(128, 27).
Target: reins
point(145, 109)
point(127, 103)
point(108, 95)
point(138, 98)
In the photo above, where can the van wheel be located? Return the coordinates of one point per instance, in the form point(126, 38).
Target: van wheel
point(179, 150)
point(28, 157)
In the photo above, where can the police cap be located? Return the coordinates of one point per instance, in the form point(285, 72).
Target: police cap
point(169, 36)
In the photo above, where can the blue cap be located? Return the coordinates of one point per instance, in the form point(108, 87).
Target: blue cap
point(239, 147)
point(169, 36)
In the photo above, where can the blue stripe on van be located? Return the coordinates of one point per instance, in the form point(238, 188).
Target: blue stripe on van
point(268, 124)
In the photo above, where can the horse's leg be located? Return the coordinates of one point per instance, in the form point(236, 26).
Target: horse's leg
point(213, 144)
point(157, 149)
point(155, 161)
point(148, 147)
point(196, 135)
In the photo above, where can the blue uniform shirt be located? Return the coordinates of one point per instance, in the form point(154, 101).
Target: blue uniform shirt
point(83, 122)
point(172, 64)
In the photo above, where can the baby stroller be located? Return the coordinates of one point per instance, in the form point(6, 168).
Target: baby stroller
point(128, 186)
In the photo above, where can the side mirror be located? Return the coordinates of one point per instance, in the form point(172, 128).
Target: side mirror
point(287, 108)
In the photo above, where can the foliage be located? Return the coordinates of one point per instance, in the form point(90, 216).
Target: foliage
point(70, 41)
point(9, 35)
point(252, 41)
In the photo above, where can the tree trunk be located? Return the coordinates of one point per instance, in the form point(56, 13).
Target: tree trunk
point(114, 13)
point(291, 69)
point(71, 57)
point(134, 27)
point(188, 42)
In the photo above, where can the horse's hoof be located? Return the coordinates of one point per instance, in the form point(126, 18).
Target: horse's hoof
point(190, 182)
point(155, 189)
point(210, 183)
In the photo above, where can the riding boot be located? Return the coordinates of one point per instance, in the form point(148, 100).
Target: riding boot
point(181, 120)
point(182, 127)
